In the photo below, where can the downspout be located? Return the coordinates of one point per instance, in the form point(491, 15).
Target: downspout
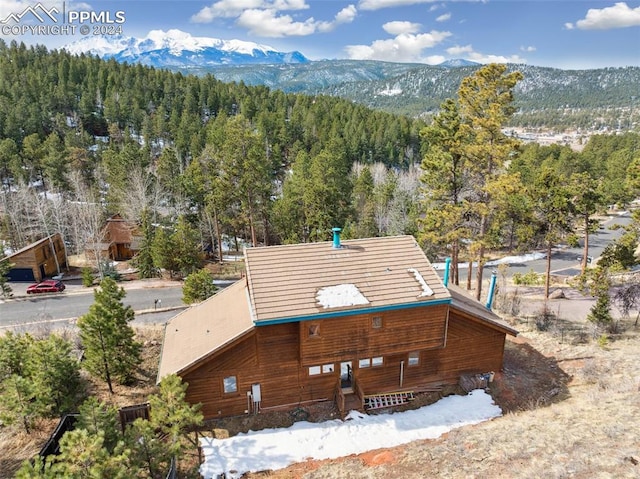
point(401, 373)
point(492, 288)
point(447, 267)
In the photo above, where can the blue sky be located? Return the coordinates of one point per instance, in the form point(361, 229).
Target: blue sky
point(569, 34)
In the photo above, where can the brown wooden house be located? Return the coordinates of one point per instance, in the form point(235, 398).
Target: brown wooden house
point(120, 240)
point(329, 321)
point(38, 260)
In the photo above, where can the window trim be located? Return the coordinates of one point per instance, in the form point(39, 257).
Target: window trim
point(413, 359)
point(235, 384)
point(364, 363)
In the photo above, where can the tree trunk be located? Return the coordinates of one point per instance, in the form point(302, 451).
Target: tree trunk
point(216, 225)
point(585, 256)
point(469, 274)
point(479, 272)
point(547, 280)
point(483, 231)
point(454, 264)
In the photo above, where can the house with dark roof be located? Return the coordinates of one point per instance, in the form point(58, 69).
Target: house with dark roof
point(365, 323)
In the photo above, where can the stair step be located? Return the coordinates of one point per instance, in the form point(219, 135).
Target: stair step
point(378, 401)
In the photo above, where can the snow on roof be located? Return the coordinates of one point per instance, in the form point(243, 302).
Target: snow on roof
point(272, 449)
point(426, 290)
point(340, 295)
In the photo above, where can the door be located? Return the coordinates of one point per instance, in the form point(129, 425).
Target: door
point(346, 375)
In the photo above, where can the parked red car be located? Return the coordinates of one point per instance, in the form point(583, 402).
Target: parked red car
point(46, 286)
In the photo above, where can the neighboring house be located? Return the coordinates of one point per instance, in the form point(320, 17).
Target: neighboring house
point(38, 260)
point(329, 321)
point(120, 240)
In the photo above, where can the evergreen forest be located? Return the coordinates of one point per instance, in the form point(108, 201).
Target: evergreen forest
point(199, 164)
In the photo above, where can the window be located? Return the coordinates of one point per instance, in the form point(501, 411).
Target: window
point(376, 322)
point(377, 361)
point(314, 370)
point(230, 384)
point(414, 359)
point(314, 330)
point(327, 368)
point(364, 363)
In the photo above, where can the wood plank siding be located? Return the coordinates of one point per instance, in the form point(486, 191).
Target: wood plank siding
point(39, 258)
point(279, 357)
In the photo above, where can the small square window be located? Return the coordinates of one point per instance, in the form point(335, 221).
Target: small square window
point(414, 359)
point(314, 370)
point(376, 322)
point(314, 330)
point(230, 384)
point(377, 361)
point(327, 368)
point(364, 363)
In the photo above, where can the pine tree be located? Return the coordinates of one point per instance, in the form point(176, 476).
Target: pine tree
point(163, 251)
point(111, 351)
point(148, 452)
point(100, 418)
point(171, 414)
point(55, 375)
point(144, 258)
point(485, 103)
point(188, 249)
point(198, 286)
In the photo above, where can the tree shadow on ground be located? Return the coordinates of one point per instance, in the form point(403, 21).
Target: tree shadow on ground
point(528, 379)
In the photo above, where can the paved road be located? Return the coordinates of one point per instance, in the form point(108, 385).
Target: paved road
point(65, 307)
point(564, 261)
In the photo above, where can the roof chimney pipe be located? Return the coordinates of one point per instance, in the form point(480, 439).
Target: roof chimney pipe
point(336, 237)
point(447, 267)
point(492, 289)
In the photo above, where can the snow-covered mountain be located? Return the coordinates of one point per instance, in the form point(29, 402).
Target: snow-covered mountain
point(178, 49)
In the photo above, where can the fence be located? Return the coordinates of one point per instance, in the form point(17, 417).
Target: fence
point(52, 446)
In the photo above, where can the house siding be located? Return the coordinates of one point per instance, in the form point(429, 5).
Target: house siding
point(278, 358)
point(39, 258)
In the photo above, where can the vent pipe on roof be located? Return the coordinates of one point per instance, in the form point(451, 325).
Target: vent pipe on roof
point(447, 267)
point(336, 237)
point(492, 289)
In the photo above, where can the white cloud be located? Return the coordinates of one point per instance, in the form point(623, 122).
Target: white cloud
point(263, 18)
point(469, 53)
point(405, 47)
point(528, 49)
point(378, 4)
point(266, 23)
point(346, 15)
point(398, 28)
point(235, 8)
point(617, 16)
point(444, 17)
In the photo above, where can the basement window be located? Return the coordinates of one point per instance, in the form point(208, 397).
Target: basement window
point(327, 368)
point(376, 322)
point(230, 384)
point(364, 363)
point(377, 361)
point(414, 359)
point(314, 370)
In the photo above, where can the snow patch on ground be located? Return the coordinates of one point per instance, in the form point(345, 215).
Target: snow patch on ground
point(272, 449)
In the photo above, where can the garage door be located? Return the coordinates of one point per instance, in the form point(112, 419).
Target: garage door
point(21, 274)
